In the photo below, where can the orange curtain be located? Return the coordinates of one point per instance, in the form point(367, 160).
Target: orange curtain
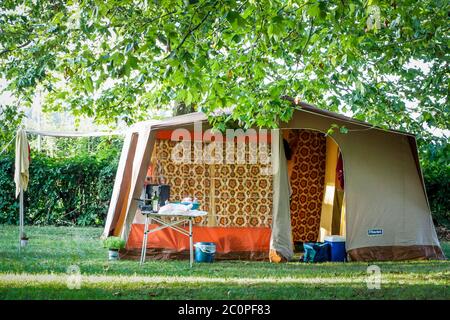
point(307, 174)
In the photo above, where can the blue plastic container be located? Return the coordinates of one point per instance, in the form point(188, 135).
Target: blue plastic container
point(316, 252)
point(337, 245)
point(195, 206)
point(205, 251)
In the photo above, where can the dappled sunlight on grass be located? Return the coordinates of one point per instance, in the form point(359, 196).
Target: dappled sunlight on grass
point(40, 272)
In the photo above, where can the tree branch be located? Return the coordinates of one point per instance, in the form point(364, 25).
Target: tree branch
point(190, 32)
point(12, 49)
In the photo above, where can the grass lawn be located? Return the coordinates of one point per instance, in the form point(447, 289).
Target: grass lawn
point(40, 272)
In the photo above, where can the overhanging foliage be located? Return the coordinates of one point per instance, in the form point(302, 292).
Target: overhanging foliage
point(118, 59)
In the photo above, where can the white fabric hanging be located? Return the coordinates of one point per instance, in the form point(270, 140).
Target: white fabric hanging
point(21, 174)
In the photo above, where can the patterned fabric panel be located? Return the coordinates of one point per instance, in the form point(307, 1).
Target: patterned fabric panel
point(307, 182)
point(184, 179)
point(239, 194)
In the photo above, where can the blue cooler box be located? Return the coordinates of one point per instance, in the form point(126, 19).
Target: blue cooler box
point(337, 245)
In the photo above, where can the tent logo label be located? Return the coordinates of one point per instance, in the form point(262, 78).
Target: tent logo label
point(375, 232)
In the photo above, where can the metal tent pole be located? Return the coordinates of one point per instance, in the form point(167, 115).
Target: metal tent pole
point(144, 240)
point(191, 259)
point(21, 217)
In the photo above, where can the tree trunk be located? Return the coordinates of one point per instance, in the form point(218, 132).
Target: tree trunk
point(181, 108)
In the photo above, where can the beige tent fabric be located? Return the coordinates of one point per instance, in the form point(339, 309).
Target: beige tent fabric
point(326, 218)
point(281, 239)
point(118, 206)
point(145, 143)
point(182, 120)
point(122, 182)
point(383, 185)
point(21, 174)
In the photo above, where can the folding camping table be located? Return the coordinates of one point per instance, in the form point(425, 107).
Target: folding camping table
point(186, 216)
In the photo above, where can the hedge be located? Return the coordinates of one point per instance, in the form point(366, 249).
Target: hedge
point(67, 191)
point(436, 170)
point(77, 190)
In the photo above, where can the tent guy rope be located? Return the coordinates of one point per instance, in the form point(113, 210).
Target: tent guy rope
point(7, 145)
point(75, 134)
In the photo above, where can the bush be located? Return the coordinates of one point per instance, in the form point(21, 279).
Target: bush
point(436, 171)
point(62, 191)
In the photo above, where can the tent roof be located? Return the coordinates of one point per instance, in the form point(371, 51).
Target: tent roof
point(201, 117)
point(183, 119)
point(312, 109)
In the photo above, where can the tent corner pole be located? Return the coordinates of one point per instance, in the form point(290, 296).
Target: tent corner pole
point(21, 217)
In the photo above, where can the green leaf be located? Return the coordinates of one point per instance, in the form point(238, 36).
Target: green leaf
point(132, 62)
point(236, 20)
point(343, 130)
point(313, 10)
point(88, 85)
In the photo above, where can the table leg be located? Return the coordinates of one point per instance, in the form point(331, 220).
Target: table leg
point(144, 241)
point(191, 245)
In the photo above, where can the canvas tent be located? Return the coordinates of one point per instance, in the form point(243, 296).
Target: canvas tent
point(381, 209)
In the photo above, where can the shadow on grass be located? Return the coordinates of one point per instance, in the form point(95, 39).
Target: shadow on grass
point(177, 291)
point(54, 249)
point(96, 263)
